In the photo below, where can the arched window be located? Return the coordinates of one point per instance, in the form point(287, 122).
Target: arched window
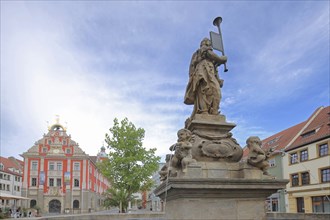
point(76, 183)
point(33, 203)
point(76, 204)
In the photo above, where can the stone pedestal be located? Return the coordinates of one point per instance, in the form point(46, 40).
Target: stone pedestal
point(209, 124)
point(212, 140)
point(216, 198)
point(216, 184)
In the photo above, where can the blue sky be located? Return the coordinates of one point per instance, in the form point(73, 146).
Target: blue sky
point(92, 61)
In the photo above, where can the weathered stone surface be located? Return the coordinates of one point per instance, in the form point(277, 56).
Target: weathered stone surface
point(212, 140)
point(223, 170)
point(216, 198)
point(213, 126)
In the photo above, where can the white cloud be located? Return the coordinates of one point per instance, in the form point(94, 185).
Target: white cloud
point(55, 79)
point(101, 61)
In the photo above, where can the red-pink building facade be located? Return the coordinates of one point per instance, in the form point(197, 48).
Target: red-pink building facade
point(59, 177)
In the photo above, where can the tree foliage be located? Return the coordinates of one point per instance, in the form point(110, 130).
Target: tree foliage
point(115, 197)
point(129, 165)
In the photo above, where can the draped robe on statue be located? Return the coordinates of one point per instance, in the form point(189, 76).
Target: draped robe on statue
point(203, 89)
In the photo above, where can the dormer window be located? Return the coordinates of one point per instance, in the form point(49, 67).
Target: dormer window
point(309, 133)
point(273, 140)
point(2, 166)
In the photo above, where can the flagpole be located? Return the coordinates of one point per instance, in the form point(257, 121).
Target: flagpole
point(216, 22)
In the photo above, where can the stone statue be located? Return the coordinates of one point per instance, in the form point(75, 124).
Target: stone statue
point(164, 170)
point(203, 89)
point(257, 157)
point(205, 176)
point(182, 156)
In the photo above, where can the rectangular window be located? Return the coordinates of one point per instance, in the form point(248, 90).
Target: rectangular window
point(59, 165)
point(18, 189)
point(272, 163)
point(51, 166)
point(34, 165)
point(76, 183)
point(323, 150)
point(51, 181)
point(305, 178)
point(303, 155)
point(1, 176)
point(68, 151)
point(34, 181)
point(325, 175)
point(321, 204)
point(293, 158)
point(58, 182)
point(76, 166)
point(295, 179)
point(44, 150)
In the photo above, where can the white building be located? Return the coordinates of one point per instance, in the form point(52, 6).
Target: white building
point(11, 178)
point(307, 165)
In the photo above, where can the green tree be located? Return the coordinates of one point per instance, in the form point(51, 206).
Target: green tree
point(130, 165)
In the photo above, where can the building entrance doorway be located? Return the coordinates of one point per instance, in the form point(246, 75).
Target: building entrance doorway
point(54, 206)
point(300, 204)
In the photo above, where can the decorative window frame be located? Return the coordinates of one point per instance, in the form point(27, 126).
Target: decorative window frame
point(36, 166)
point(291, 179)
point(320, 175)
point(318, 148)
point(300, 155)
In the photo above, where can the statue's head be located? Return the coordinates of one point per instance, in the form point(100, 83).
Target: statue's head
point(205, 42)
point(253, 140)
point(184, 134)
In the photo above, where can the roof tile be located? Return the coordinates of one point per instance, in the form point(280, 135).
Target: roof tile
point(318, 129)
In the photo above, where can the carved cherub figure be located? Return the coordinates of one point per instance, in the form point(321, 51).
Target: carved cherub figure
point(257, 157)
point(182, 156)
